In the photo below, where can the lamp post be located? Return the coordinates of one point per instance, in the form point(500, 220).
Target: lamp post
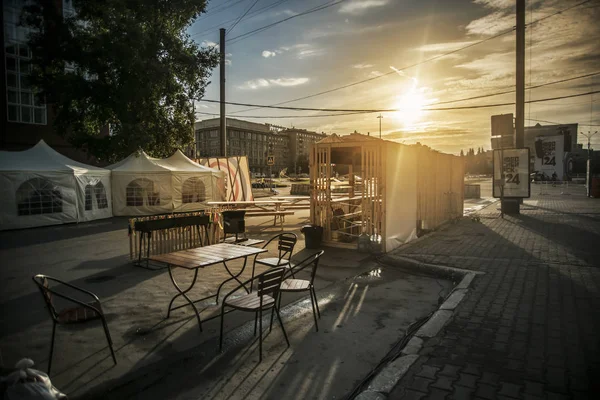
point(588, 136)
point(380, 118)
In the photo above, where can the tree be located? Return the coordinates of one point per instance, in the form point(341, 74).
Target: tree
point(126, 65)
point(462, 154)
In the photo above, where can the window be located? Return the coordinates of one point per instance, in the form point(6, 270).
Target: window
point(139, 189)
point(38, 196)
point(22, 103)
point(193, 191)
point(100, 193)
point(88, 197)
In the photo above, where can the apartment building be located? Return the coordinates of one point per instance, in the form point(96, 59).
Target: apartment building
point(288, 146)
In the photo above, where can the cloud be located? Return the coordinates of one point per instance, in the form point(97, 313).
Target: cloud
point(208, 43)
point(255, 84)
point(362, 66)
point(289, 81)
point(442, 47)
point(497, 4)
point(491, 24)
point(262, 83)
point(267, 53)
point(373, 74)
point(310, 53)
point(360, 6)
point(303, 50)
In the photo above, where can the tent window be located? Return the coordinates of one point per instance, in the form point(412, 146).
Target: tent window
point(38, 196)
point(140, 188)
point(100, 193)
point(88, 197)
point(193, 191)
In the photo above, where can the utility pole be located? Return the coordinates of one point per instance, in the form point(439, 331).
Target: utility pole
point(380, 118)
point(512, 206)
point(223, 131)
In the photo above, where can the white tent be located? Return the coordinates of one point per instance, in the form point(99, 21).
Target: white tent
point(42, 187)
point(144, 185)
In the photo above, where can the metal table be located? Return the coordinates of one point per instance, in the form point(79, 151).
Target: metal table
point(202, 257)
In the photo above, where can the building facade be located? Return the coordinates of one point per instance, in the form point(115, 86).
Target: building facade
point(289, 147)
point(24, 116)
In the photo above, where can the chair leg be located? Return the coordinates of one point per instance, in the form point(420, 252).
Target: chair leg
point(260, 335)
point(282, 328)
point(316, 302)
point(109, 340)
point(312, 303)
point(51, 347)
point(255, 322)
point(221, 334)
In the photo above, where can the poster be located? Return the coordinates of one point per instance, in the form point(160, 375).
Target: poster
point(237, 176)
point(550, 159)
point(511, 173)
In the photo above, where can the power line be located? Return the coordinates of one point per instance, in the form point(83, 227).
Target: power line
point(252, 15)
point(288, 116)
point(218, 9)
point(243, 15)
point(419, 63)
point(264, 28)
point(396, 109)
point(381, 76)
point(513, 90)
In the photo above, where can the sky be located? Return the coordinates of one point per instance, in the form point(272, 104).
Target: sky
point(360, 39)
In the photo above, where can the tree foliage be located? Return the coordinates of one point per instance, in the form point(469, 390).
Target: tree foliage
point(124, 64)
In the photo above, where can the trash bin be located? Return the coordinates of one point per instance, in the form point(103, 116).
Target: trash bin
point(313, 234)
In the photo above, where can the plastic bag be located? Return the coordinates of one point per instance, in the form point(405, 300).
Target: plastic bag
point(27, 383)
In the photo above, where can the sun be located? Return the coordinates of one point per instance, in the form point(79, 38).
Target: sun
point(410, 106)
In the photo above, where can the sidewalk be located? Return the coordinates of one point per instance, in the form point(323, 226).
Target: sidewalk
point(530, 327)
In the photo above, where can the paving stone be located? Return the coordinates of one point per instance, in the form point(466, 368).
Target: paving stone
point(411, 395)
point(450, 370)
point(428, 371)
point(527, 328)
point(467, 380)
point(438, 394)
point(486, 391)
point(443, 382)
point(421, 384)
point(461, 392)
point(510, 390)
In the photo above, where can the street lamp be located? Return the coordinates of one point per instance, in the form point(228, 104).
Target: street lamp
point(380, 118)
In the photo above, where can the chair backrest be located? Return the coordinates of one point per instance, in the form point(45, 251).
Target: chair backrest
point(312, 259)
point(269, 282)
point(286, 244)
point(43, 284)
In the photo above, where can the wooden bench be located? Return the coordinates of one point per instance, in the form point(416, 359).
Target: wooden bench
point(275, 214)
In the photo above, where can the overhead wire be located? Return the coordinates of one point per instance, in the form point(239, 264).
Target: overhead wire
point(397, 109)
point(419, 63)
point(253, 14)
point(243, 36)
point(242, 17)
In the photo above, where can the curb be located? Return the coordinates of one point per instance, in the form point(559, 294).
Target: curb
point(384, 382)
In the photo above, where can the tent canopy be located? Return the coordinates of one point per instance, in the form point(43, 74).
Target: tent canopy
point(42, 187)
point(42, 157)
point(143, 185)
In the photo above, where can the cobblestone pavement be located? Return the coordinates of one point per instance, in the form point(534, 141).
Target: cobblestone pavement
point(530, 327)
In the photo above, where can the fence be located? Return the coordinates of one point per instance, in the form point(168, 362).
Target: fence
point(161, 234)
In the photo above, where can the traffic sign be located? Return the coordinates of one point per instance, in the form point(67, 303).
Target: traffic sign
point(270, 160)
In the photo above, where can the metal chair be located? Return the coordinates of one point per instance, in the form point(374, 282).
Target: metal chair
point(285, 248)
point(269, 283)
point(302, 285)
point(83, 312)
